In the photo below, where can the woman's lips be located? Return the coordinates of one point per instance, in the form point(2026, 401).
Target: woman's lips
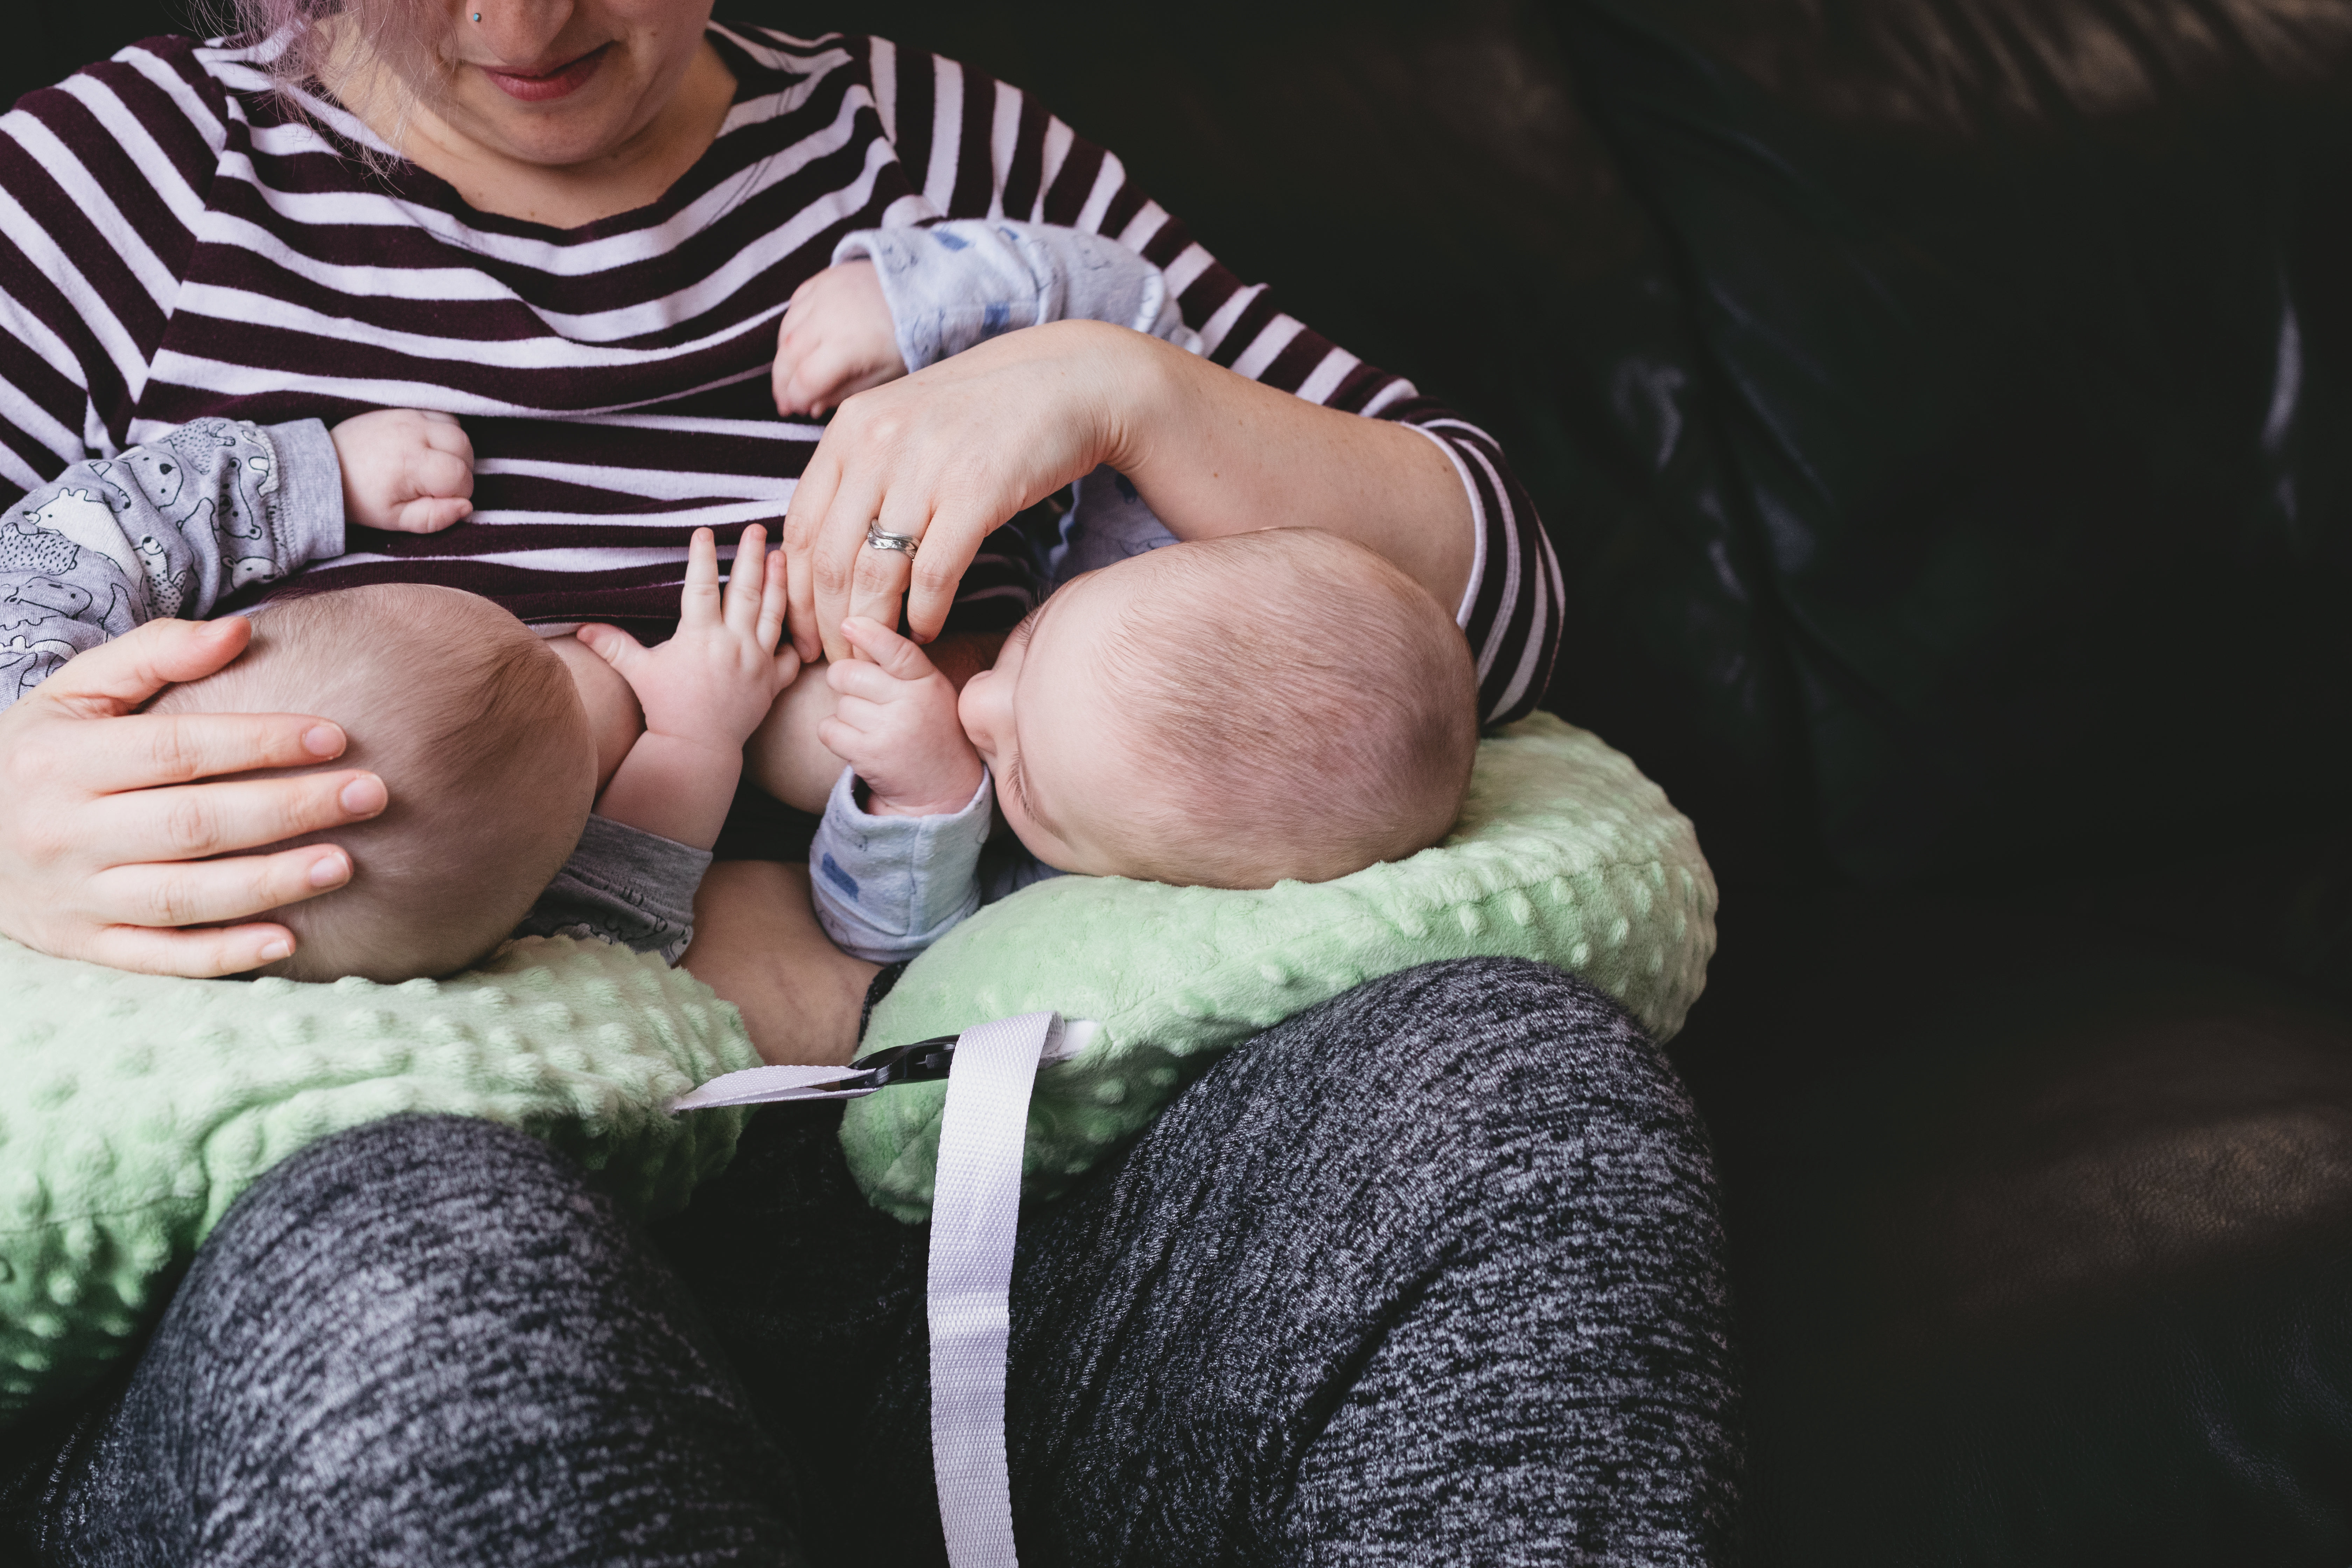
point(560, 82)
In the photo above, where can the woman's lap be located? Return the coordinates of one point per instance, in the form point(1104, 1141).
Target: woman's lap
point(1429, 1274)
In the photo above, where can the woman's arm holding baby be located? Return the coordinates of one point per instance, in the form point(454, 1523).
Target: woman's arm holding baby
point(1321, 438)
point(947, 454)
point(900, 299)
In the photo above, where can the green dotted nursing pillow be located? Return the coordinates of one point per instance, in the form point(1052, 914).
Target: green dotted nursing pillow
point(139, 1107)
point(1564, 853)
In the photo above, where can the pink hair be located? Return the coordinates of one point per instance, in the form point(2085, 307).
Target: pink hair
point(404, 35)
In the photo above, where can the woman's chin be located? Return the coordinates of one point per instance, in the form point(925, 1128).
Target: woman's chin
point(579, 126)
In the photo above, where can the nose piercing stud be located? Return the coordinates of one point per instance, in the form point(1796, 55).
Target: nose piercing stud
point(478, 15)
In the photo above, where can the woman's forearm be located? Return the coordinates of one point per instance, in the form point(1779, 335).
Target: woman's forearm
point(1215, 452)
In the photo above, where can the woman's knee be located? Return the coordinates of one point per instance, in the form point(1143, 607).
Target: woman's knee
point(1394, 1132)
point(433, 1332)
point(1480, 1055)
point(386, 1171)
point(369, 1222)
point(394, 1265)
point(1485, 1155)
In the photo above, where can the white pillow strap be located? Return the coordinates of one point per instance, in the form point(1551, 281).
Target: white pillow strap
point(975, 1208)
point(975, 1212)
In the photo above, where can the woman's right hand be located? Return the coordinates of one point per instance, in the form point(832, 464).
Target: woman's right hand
point(106, 838)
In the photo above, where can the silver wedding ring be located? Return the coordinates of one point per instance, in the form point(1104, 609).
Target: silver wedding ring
point(877, 539)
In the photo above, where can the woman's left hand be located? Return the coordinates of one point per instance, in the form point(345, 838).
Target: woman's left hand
point(946, 456)
point(950, 452)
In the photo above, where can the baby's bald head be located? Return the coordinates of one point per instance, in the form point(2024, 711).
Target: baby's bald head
point(1269, 706)
point(478, 734)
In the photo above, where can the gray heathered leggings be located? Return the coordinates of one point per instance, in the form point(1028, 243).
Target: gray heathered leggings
point(1430, 1275)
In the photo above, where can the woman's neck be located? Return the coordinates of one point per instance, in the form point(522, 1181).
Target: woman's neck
point(491, 179)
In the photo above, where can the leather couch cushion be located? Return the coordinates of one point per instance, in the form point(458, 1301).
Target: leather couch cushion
point(2041, 1232)
point(2030, 323)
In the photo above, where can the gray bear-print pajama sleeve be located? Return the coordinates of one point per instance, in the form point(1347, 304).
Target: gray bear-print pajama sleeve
point(166, 529)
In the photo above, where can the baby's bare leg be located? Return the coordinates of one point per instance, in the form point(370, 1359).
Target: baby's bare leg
point(785, 758)
point(757, 944)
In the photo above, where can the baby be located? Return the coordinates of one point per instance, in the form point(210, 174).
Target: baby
point(1231, 713)
point(484, 747)
point(490, 761)
point(490, 748)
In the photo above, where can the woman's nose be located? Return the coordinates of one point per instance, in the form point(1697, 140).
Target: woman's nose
point(520, 36)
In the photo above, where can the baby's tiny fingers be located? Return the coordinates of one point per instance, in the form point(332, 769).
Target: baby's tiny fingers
point(613, 645)
point(435, 472)
point(429, 514)
point(699, 604)
point(886, 649)
point(810, 389)
point(746, 578)
point(860, 712)
point(854, 677)
point(843, 741)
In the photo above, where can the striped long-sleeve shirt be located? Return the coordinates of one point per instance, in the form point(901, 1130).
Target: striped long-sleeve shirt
point(176, 243)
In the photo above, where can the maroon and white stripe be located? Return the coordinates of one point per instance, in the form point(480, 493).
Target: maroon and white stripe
point(174, 243)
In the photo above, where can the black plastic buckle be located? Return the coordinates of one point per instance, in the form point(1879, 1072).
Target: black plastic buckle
point(924, 1061)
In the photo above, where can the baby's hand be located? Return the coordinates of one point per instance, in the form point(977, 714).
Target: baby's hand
point(712, 683)
point(896, 724)
point(405, 470)
point(838, 338)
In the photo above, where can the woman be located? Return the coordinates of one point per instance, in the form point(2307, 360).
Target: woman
point(1280, 1327)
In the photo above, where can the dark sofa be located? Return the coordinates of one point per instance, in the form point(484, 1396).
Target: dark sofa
point(1944, 412)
